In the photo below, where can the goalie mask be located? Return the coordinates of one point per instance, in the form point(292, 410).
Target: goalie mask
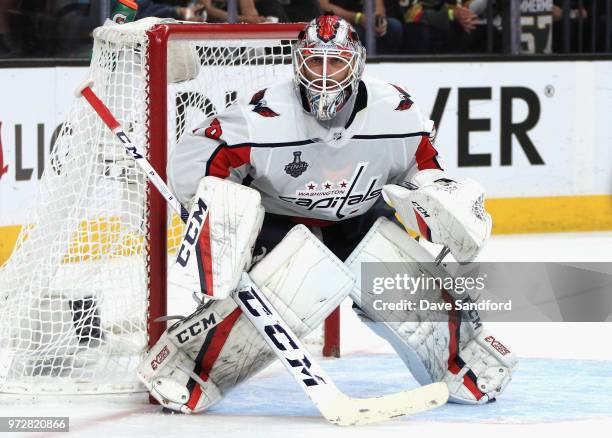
point(328, 61)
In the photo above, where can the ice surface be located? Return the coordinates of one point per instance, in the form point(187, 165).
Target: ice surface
point(563, 385)
point(545, 392)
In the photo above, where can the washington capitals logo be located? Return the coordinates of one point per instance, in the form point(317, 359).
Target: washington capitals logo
point(347, 198)
point(260, 105)
point(297, 166)
point(405, 101)
point(327, 25)
point(3, 168)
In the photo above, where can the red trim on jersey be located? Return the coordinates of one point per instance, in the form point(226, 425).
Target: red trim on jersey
point(217, 342)
point(229, 158)
point(426, 155)
point(206, 252)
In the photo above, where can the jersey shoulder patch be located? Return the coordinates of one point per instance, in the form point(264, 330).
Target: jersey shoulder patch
point(273, 114)
point(405, 102)
point(392, 96)
point(391, 109)
point(260, 106)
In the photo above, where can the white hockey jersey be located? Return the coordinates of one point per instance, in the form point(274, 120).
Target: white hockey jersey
point(301, 168)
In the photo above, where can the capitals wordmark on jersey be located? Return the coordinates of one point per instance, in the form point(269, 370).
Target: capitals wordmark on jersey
point(341, 201)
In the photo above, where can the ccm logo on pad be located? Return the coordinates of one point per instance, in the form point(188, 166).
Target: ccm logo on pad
point(208, 321)
point(420, 209)
point(193, 232)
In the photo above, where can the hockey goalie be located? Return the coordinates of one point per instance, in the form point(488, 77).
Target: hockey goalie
point(298, 185)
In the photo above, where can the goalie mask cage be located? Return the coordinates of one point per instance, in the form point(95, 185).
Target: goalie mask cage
point(87, 279)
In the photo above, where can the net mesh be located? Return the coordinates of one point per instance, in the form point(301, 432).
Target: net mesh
point(73, 296)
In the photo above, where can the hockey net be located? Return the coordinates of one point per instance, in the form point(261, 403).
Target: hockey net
point(79, 296)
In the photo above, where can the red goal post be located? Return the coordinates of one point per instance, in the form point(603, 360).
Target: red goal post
point(159, 37)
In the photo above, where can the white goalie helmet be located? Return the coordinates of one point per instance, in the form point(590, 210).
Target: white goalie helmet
point(328, 61)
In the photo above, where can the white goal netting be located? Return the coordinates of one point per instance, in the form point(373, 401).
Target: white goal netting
point(74, 294)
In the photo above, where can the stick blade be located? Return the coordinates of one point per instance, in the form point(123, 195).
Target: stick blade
point(346, 411)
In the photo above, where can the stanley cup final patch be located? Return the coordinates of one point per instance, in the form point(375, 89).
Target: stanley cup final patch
point(297, 166)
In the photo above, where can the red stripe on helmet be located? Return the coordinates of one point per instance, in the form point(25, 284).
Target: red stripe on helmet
point(327, 26)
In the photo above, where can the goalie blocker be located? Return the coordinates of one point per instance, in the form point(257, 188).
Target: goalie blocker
point(224, 221)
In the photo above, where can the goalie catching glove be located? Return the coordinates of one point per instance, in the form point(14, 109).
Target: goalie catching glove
point(446, 212)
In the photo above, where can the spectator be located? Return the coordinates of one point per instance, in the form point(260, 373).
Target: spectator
point(19, 24)
point(301, 10)
point(575, 11)
point(289, 11)
point(272, 8)
point(5, 47)
point(217, 11)
point(576, 14)
point(53, 28)
point(148, 8)
point(388, 29)
point(475, 40)
point(439, 26)
point(73, 22)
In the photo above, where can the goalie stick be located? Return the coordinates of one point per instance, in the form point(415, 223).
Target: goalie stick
point(334, 405)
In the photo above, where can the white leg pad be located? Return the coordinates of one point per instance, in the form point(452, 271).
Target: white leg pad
point(167, 368)
point(302, 279)
point(476, 366)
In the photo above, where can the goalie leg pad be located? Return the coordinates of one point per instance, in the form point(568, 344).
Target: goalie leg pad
point(487, 369)
point(302, 279)
point(475, 366)
point(408, 355)
point(175, 369)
